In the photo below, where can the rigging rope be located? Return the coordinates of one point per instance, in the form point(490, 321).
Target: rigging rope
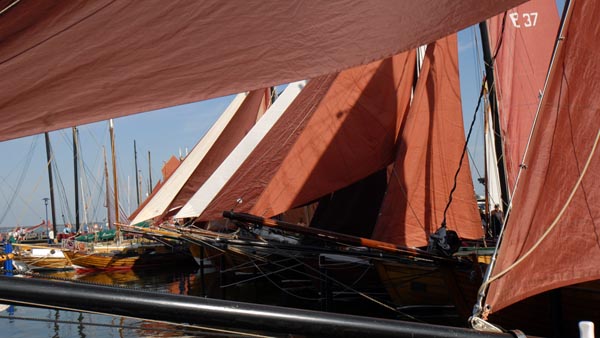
point(22, 175)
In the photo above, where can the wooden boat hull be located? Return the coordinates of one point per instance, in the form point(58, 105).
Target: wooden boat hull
point(444, 287)
point(126, 260)
point(43, 257)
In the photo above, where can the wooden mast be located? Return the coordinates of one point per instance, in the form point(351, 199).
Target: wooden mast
point(107, 187)
point(76, 175)
point(114, 167)
point(493, 102)
point(137, 178)
point(50, 181)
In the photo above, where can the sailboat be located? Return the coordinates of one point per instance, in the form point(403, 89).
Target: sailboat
point(119, 254)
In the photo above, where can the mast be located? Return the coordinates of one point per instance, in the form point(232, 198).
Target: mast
point(76, 175)
point(137, 178)
point(114, 167)
point(493, 102)
point(107, 186)
point(85, 220)
point(150, 172)
point(50, 181)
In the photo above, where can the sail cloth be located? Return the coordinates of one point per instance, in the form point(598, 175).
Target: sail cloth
point(167, 170)
point(429, 151)
point(494, 190)
point(561, 144)
point(218, 178)
point(62, 66)
point(340, 129)
point(207, 155)
point(524, 49)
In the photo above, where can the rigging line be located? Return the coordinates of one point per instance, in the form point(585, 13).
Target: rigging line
point(556, 220)
point(463, 153)
point(136, 318)
point(9, 6)
point(471, 157)
point(347, 287)
point(119, 326)
point(28, 157)
point(282, 289)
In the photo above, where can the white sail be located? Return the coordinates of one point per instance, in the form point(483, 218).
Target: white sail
point(207, 192)
point(163, 197)
point(493, 177)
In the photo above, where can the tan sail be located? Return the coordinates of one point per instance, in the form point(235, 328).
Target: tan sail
point(340, 129)
point(553, 226)
point(66, 68)
point(523, 39)
point(430, 145)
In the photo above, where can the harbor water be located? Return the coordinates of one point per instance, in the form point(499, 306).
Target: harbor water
point(25, 321)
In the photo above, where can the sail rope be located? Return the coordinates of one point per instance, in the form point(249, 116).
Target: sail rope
point(556, 219)
point(29, 157)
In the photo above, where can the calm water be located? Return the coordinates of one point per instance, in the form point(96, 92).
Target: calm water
point(22, 321)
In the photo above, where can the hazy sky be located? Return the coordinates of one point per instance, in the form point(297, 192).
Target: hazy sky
point(165, 132)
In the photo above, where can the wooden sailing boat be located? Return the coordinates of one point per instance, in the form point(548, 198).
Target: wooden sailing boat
point(45, 256)
point(123, 254)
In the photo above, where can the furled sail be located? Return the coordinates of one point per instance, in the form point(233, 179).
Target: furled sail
point(207, 155)
point(555, 216)
point(429, 151)
point(340, 129)
point(63, 67)
point(523, 38)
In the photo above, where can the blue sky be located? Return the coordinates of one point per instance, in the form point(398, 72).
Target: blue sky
point(165, 132)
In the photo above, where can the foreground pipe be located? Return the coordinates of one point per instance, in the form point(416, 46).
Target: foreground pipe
point(226, 314)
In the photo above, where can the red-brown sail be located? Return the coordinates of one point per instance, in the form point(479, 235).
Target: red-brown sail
point(429, 152)
point(524, 48)
point(562, 143)
point(66, 63)
point(341, 128)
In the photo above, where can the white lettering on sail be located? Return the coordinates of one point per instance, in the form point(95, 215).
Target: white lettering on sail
point(528, 19)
